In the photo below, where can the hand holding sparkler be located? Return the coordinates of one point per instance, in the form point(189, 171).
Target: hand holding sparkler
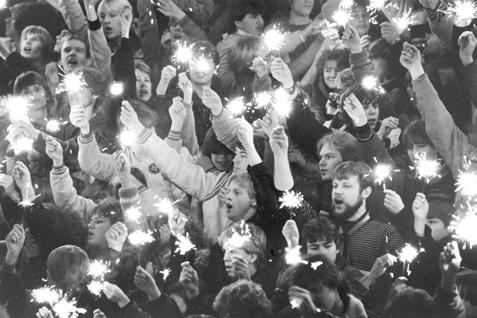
point(14, 240)
point(420, 209)
point(167, 74)
point(389, 32)
point(212, 101)
point(146, 283)
point(351, 39)
point(54, 151)
point(44, 312)
point(393, 202)
point(411, 59)
point(466, 47)
point(8, 184)
point(115, 294)
point(301, 298)
point(24, 127)
point(170, 9)
point(178, 114)
point(80, 119)
point(241, 267)
point(381, 264)
point(291, 234)
point(177, 222)
point(186, 87)
point(130, 119)
point(123, 170)
point(279, 142)
point(281, 72)
point(449, 264)
point(22, 177)
point(355, 110)
point(387, 125)
point(126, 18)
point(116, 236)
point(190, 280)
point(269, 122)
point(260, 67)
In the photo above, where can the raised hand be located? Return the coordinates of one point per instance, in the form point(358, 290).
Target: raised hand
point(190, 280)
point(411, 59)
point(24, 127)
point(302, 298)
point(116, 236)
point(389, 32)
point(387, 125)
point(393, 202)
point(269, 122)
point(21, 175)
point(279, 142)
point(115, 294)
point(281, 72)
point(14, 240)
point(212, 101)
point(80, 119)
point(241, 267)
point(178, 113)
point(420, 207)
point(244, 133)
point(126, 17)
point(355, 110)
point(145, 282)
point(167, 74)
point(186, 87)
point(44, 312)
point(54, 151)
point(129, 119)
point(450, 259)
point(381, 264)
point(351, 39)
point(177, 223)
point(123, 169)
point(290, 233)
point(98, 314)
point(170, 9)
point(260, 67)
point(466, 47)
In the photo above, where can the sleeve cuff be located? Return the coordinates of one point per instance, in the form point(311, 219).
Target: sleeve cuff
point(86, 139)
point(94, 25)
point(59, 170)
point(127, 194)
point(174, 135)
point(144, 135)
point(364, 133)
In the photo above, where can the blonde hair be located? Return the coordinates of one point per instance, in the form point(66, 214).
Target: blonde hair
point(45, 37)
point(67, 267)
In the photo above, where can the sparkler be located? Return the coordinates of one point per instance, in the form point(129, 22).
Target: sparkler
point(65, 308)
point(293, 257)
point(165, 206)
point(165, 273)
point(315, 265)
point(346, 4)
point(407, 255)
point(236, 106)
point(202, 64)
point(183, 244)
point(291, 200)
point(282, 103)
point(95, 287)
point(26, 203)
point(381, 173)
point(62, 307)
point(3, 4)
point(375, 5)
point(463, 226)
point(404, 21)
point(45, 294)
point(295, 303)
point(240, 237)
point(183, 54)
point(139, 238)
point(467, 181)
point(133, 214)
point(263, 99)
point(127, 138)
point(426, 169)
point(341, 17)
point(463, 11)
point(98, 268)
point(116, 89)
point(53, 126)
point(17, 107)
point(72, 82)
point(22, 144)
point(274, 39)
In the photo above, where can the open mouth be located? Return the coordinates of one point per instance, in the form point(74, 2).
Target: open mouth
point(27, 50)
point(143, 92)
point(228, 206)
point(338, 201)
point(108, 29)
point(72, 61)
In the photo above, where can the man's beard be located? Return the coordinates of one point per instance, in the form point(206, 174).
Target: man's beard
point(348, 212)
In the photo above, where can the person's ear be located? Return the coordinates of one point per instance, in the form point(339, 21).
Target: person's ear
point(253, 203)
point(366, 192)
point(237, 24)
point(253, 258)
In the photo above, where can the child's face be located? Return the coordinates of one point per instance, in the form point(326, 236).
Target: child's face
point(416, 151)
point(438, 229)
point(222, 162)
point(323, 248)
point(36, 94)
point(372, 114)
point(97, 229)
point(302, 7)
point(330, 71)
point(240, 161)
point(238, 201)
point(251, 23)
point(110, 17)
point(360, 20)
point(231, 254)
point(31, 46)
point(143, 85)
point(73, 55)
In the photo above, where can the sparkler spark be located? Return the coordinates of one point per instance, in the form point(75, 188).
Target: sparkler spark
point(72, 82)
point(295, 303)
point(239, 238)
point(17, 107)
point(408, 253)
point(464, 227)
point(370, 83)
point(282, 103)
point(315, 265)
point(236, 106)
point(165, 273)
point(346, 4)
point(116, 89)
point(202, 64)
point(28, 202)
point(45, 294)
point(98, 268)
point(61, 306)
point(95, 287)
point(22, 144)
point(139, 237)
point(381, 173)
point(133, 214)
point(291, 200)
point(3, 4)
point(53, 126)
point(293, 257)
point(427, 169)
point(376, 5)
point(463, 11)
point(404, 21)
point(263, 99)
point(183, 244)
point(341, 17)
point(467, 184)
point(274, 39)
point(165, 206)
point(183, 54)
point(127, 138)
point(65, 308)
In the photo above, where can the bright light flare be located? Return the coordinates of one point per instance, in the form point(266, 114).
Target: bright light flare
point(382, 172)
point(202, 64)
point(403, 22)
point(133, 214)
point(183, 54)
point(96, 287)
point(166, 206)
point(341, 17)
point(274, 39)
point(3, 4)
point(22, 144)
point(316, 264)
point(376, 4)
point(116, 89)
point(263, 99)
point(293, 256)
point(140, 237)
point(17, 107)
point(463, 11)
point(236, 106)
point(467, 184)
point(183, 244)
point(291, 200)
point(464, 228)
point(408, 253)
point(127, 138)
point(427, 169)
point(295, 303)
point(98, 268)
point(282, 102)
point(65, 308)
point(165, 273)
point(370, 83)
point(45, 294)
point(72, 82)
point(53, 126)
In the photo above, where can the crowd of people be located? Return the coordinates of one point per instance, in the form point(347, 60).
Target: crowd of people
point(237, 158)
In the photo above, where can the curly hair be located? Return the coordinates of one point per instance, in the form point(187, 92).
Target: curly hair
point(321, 229)
point(243, 299)
point(338, 54)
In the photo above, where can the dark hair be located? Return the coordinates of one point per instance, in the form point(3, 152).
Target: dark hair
point(242, 299)
point(326, 274)
point(212, 145)
point(31, 78)
point(345, 143)
point(67, 267)
point(206, 49)
point(321, 229)
point(365, 96)
point(355, 168)
point(72, 37)
point(383, 50)
point(338, 54)
point(51, 227)
point(243, 53)
point(411, 303)
point(109, 208)
point(255, 7)
point(415, 134)
point(13, 295)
